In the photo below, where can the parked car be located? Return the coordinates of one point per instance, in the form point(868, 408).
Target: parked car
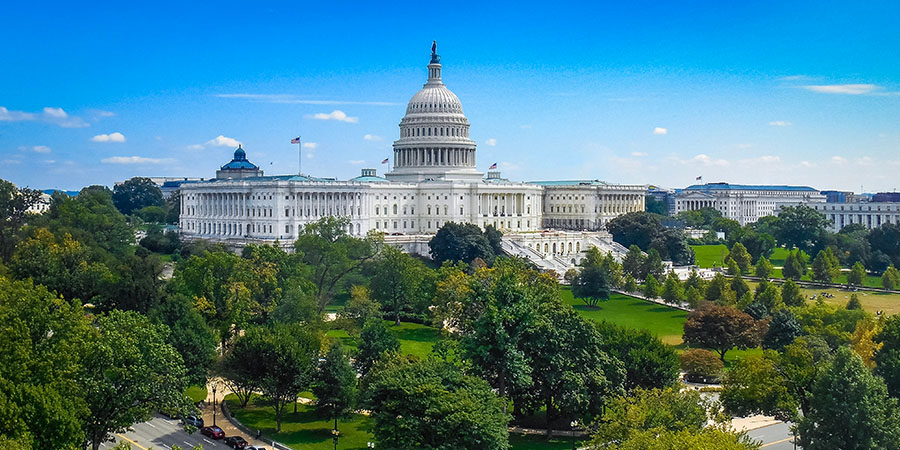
point(236, 442)
point(213, 432)
point(251, 447)
point(192, 420)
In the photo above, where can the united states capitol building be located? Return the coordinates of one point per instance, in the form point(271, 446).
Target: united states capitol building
point(434, 180)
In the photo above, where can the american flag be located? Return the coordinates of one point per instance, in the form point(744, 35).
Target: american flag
point(699, 178)
point(493, 166)
point(295, 140)
point(384, 161)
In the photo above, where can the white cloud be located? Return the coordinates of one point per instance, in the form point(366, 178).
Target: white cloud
point(14, 116)
point(838, 160)
point(195, 147)
point(41, 149)
point(55, 112)
point(357, 162)
point(372, 137)
point(111, 137)
point(223, 141)
point(765, 159)
point(851, 89)
point(134, 160)
point(337, 114)
point(794, 78)
point(705, 160)
point(293, 99)
point(638, 154)
point(311, 145)
point(865, 161)
point(660, 130)
point(780, 123)
point(491, 142)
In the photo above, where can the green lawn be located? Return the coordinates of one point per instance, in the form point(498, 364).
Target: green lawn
point(196, 393)
point(415, 339)
point(708, 256)
point(664, 322)
point(303, 429)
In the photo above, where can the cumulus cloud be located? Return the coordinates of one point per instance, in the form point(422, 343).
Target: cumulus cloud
point(780, 123)
point(850, 89)
point(55, 112)
point(491, 142)
point(41, 149)
point(223, 141)
point(311, 145)
point(14, 116)
point(134, 160)
point(705, 160)
point(660, 130)
point(111, 137)
point(56, 116)
point(372, 137)
point(337, 114)
point(838, 160)
point(638, 154)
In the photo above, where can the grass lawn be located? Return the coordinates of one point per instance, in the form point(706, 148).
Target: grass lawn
point(664, 322)
point(196, 393)
point(303, 429)
point(871, 301)
point(709, 256)
point(415, 339)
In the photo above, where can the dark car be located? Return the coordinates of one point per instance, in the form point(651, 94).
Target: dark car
point(236, 442)
point(251, 447)
point(213, 432)
point(192, 420)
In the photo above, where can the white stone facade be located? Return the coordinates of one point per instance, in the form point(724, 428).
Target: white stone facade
point(744, 203)
point(871, 215)
point(588, 205)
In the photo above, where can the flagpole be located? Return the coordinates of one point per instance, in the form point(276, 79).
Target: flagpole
point(299, 157)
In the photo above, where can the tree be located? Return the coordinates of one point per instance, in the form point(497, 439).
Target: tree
point(332, 254)
point(740, 255)
point(849, 408)
point(630, 284)
point(14, 205)
point(770, 297)
point(90, 218)
point(886, 241)
point(732, 267)
point(783, 330)
point(401, 283)
point(701, 366)
point(834, 325)
point(759, 245)
point(673, 245)
point(189, 335)
point(719, 437)
point(801, 227)
point(672, 292)
point(290, 353)
point(653, 265)
point(358, 310)
point(494, 238)
point(651, 287)
point(791, 295)
point(857, 274)
point(890, 279)
point(825, 266)
point(461, 242)
point(129, 371)
point(595, 278)
point(739, 286)
point(722, 328)
point(633, 262)
point(854, 302)
point(693, 297)
point(715, 290)
point(135, 194)
point(763, 268)
point(887, 358)
point(863, 339)
point(658, 410)
point(375, 341)
point(652, 205)
point(334, 385)
point(44, 338)
point(635, 228)
point(433, 404)
point(794, 265)
point(649, 363)
point(240, 368)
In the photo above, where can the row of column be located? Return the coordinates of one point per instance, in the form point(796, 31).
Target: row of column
point(508, 204)
point(412, 157)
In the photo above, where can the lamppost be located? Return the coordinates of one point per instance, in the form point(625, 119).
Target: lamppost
point(215, 386)
point(572, 432)
point(335, 433)
point(370, 444)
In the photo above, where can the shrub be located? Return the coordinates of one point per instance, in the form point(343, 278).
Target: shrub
point(701, 366)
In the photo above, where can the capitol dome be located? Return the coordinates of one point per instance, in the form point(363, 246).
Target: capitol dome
point(434, 134)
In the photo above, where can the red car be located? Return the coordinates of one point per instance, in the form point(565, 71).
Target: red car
point(213, 432)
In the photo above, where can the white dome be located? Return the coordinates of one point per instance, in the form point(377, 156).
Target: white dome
point(434, 98)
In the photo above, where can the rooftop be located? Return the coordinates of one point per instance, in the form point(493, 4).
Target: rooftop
point(571, 183)
point(747, 187)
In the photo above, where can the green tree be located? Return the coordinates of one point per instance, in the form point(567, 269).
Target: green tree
point(794, 265)
point(633, 262)
point(358, 310)
point(14, 205)
point(190, 336)
point(887, 358)
point(717, 437)
point(673, 245)
point(90, 218)
point(635, 228)
point(649, 363)
point(135, 194)
point(833, 324)
point(461, 242)
point(401, 283)
point(854, 302)
point(783, 330)
point(739, 286)
point(740, 255)
point(825, 266)
point(693, 297)
point(700, 365)
point(129, 371)
point(694, 281)
point(849, 408)
point(630, 284)
point(763, 268)
point(651, 287)
point(890, 279)
point(595, 278)
point(494, 238)
point(375, 341)
point(659, 410)
point(857, 274)
point(653, 265)
point(759, 245)
point(290, 353)
point(672, 291)
point(240, 368)
point(721, 328)
point(433, 404)
point(716, 288)
point(332, 255)
point(334, 385)
point(791, 295)
point(801, 227)
point(770, 297)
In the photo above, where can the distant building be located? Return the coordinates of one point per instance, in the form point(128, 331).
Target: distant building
point(869, 214)
point(744, 203)
point(664, 196)
point(886, 197)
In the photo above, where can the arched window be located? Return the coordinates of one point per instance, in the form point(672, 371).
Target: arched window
point(395, 208)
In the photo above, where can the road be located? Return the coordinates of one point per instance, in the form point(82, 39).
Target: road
point(774, 437)
point(162, 433)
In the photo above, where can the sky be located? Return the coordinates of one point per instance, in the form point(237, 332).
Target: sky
point(660, 93)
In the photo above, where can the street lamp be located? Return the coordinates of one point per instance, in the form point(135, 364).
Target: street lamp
point(572, 432)
point(370, 444)
point(215, 387)
point(335, 433)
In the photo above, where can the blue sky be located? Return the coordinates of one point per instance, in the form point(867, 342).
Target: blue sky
point(629, 92)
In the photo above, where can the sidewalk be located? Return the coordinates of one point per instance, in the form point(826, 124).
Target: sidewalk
point(224, 423)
